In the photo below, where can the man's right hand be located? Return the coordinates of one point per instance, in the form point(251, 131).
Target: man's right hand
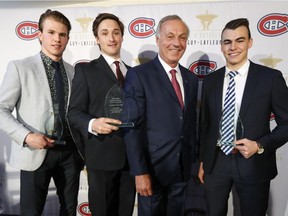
point(38, 141)
point(143, 185)
point(105, 125)
point(201, 173)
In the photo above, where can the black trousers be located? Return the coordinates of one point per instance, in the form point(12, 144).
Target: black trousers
point(111, 193)
point(64, 166)
point(253, 198)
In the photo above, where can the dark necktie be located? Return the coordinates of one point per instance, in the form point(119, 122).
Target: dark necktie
point(228, 118)
point(60, 98)
point(176, 87)
point(119, 74)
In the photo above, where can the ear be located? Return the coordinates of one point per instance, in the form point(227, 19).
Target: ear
point(40, 36)
point(250, 43)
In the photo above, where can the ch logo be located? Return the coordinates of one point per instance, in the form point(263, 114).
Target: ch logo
point(142, 27)
point(274, 24)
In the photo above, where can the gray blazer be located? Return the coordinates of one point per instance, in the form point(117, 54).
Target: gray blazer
point(25, 88)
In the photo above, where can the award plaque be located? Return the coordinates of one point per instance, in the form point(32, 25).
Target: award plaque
point(114, 103)
point(53, 125)
point(238, 132)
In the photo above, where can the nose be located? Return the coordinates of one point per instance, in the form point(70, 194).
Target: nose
point(233, 46)
point(111, 37)
point(57, 37)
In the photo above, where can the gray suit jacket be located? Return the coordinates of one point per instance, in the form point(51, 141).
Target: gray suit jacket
point(25, 88)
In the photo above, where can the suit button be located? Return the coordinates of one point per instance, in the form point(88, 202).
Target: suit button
point(181, 117)
point(178, 154)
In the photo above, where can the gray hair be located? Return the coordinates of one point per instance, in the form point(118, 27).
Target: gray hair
point(167, 18)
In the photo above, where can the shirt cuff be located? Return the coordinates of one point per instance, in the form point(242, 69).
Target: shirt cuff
point(90, 127)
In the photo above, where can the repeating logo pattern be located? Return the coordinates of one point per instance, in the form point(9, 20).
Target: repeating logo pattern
point(202, 67)
point(273, 24)
point(27, 30)
point(83, 209)
point(142, 27)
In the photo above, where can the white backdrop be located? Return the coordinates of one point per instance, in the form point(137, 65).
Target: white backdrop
point(268, 22)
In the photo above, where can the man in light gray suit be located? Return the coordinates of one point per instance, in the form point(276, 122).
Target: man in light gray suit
point(37, 87)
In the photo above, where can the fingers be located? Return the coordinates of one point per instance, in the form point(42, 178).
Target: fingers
point(201, 173)
point(246, 147)
point(143, 185)
point(105, 125)
point(38, 141)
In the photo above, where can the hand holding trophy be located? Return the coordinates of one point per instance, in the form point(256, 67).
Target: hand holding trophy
point(53, 125)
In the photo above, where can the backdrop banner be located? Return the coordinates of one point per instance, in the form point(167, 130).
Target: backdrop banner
point(268, 22)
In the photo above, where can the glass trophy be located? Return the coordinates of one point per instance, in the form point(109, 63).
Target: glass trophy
point(238, 131)
point(53, 125)
point(114, 103)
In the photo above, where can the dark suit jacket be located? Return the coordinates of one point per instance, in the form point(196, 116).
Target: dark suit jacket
point(91, 83)
point(265, 92)
point(163, 132)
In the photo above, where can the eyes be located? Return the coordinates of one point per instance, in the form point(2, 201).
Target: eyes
point(106, 33)
point(237, 41)
point(173, 37)
point(61, 34)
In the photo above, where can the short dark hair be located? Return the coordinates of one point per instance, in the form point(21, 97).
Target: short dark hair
point(104, 16)
point(233, 24)
point(55, 15)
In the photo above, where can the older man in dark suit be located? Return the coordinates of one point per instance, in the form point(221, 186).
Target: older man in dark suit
point(161, 96)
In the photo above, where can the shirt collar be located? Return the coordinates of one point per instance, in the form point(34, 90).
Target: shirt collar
point(242, 71)
point(109, 59)
point(47, 60)
point(166, 67)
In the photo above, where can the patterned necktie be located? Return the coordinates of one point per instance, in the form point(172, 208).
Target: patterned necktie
point(119, 74)
point(228, 118)
point(60, 97)
point(176, 87)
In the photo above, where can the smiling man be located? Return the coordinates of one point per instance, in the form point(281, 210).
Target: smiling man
point(162, 96)
point(245, 93)
point(36, 87)
point(111, 187)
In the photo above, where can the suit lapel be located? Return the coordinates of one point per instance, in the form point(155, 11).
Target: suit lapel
point(250, 87)
point(40, 73)
point(103, 66)
point(219, 80)
point(163, 78)
point(186, 87)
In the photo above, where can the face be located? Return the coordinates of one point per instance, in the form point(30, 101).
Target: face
point(54, 39)
point(172, 41)
point(235, 45)
point(110, 38)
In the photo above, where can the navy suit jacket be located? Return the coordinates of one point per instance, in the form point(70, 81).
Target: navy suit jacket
point(91, 83)
point(265, 92)
point(164, 134)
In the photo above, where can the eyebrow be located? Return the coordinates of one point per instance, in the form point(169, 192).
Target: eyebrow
point(240, 38)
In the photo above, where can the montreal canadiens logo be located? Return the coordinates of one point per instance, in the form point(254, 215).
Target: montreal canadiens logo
point(142, 27)
point(83, 209)
point(274, 24)
point(27, 30)
point(81, 61)
point(202, 67)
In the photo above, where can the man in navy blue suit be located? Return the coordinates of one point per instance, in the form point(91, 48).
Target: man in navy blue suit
point(161, 146)
point(259, 91)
